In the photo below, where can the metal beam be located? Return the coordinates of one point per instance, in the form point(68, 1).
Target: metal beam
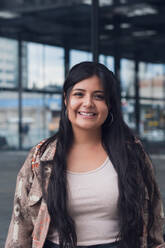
point(95, 30)
point(117, 51)
point(137, 102)
point(32, 7)
point(20, 93)
point(66, 60)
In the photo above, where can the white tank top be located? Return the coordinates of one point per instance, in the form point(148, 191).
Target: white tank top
point(93, 198)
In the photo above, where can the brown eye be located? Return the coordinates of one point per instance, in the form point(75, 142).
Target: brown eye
point(99, 97)
point(78, 94)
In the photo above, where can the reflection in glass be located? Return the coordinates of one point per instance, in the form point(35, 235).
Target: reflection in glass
point(103, 3)
point(77, 56)
point(8, 63)
point(152, 120)
point(45, 66)
point(127, 77)
point(128, 112)
point(8, 120)
point(40, 117)
point(108, 61)
point(152, 80)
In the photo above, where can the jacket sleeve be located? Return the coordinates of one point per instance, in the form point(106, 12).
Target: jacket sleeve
point(21, 227)
point(156, 231)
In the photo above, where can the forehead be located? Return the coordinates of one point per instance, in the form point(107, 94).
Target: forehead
point(90, 84)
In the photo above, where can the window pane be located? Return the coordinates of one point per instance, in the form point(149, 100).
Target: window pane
point(40, 117)
point(8, 120)
point(8, 63)
point(128, 112)
point(108, 61)
point(103, 3)
point(152, 80)
point(127, 75)
point(153, 120)
point(77, 56)
point(45, 66)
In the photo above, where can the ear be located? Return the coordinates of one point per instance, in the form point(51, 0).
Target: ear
point(65, 100)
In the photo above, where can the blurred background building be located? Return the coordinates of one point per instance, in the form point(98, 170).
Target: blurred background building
point(41, 39)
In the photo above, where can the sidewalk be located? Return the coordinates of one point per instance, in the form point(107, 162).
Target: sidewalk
point(10, 163)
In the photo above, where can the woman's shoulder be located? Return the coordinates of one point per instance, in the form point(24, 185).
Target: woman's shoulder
point(45, 150)
point(37, 154)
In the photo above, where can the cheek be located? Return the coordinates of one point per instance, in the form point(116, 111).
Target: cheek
point(72, 106)
point(105, 114)
point(73, 103)
point(104, 111)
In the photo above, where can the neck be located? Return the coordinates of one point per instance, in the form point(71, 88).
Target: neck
point(87, 137)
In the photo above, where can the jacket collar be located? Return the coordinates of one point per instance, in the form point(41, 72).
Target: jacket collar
point(48, 154)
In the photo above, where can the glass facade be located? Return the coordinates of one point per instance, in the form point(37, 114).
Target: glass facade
point(77, 56)
point(152, 80)
point(152, 120)
point(30, 87)
point(128, 110)
point(9, 120)
point(127, 77)
point(45, 66)
point(43, 69)
point(108, 61)
point(8, 63)
point(40, 117)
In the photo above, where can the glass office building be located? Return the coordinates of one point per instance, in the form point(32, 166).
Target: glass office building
point(41, 40)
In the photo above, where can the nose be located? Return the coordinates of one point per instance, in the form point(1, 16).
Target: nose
point(88, 101)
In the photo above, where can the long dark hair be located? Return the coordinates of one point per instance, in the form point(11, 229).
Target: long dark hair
point(127, 156)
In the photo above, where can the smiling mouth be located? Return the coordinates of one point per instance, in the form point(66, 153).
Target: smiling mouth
point(87, 113)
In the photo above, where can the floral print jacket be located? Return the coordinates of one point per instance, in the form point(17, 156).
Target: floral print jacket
point(30, 218)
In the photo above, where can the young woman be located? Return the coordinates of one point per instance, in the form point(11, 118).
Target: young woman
point(92, 183)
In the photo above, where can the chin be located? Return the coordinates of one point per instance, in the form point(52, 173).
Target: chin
point(88, 127)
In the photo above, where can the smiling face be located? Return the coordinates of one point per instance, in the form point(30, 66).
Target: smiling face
point(86, 105)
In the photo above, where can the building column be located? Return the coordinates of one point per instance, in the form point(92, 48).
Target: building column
point(117, 52)
point(20, 93)
point(66, 59)
point(137, 102)
point(95, 30)
point(117, 71)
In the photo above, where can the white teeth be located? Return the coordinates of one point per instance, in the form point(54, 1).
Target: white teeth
point(86, 114)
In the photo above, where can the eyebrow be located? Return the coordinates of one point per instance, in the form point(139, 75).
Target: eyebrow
point(96, 91)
